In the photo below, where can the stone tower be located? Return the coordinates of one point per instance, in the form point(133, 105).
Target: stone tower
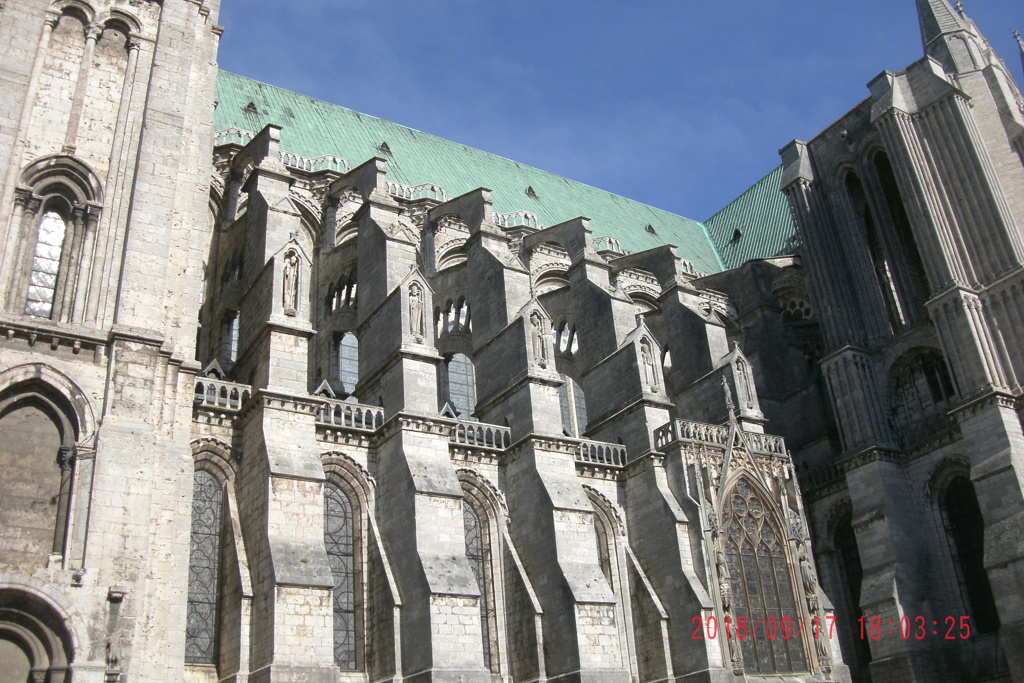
point(105, 136)
point(911, 210)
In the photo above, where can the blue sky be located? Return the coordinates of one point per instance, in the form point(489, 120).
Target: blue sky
point(675, 103)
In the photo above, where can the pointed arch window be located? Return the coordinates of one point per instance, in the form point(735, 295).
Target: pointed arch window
point(42, 282)
point(348, 362)
point(340, 540)
point(478, 553)
point(204, 570)
point(462, 385)
point(965, 529)
point(755, 548)
point(573, 405)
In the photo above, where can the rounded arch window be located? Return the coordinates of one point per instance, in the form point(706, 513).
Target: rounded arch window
point(46, 259)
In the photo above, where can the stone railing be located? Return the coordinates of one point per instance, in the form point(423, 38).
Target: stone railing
point(481, 435)
point(599, 453)
point(349, 415)
point(428, 190)
point(766, 443)
point(684, 430)
point(328, 162)
point(820, 476)
point(216, 393)
point(605, 243)
point(232, 136)
point(716, 435)
point(517, 219)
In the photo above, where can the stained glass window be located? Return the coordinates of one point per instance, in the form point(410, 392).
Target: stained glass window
point(462, 385)
point(604, 556)
point(204, 570)
point(348, 361)
point(762, 589)
point(42, 283)
point(339, 539)
point(477, 559)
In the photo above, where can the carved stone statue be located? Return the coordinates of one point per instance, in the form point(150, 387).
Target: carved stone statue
point(650, 371)
point(290, 298)
point(724, 580)
point(540, 353)
point(810, 583)
point(416, 311)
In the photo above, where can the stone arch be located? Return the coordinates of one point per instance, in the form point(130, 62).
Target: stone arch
point(40, 631)
point(67, 174)
point(212, 454)
point(130, 23)
point(82, 9)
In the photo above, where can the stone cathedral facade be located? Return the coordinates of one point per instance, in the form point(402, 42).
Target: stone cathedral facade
point(289, 393)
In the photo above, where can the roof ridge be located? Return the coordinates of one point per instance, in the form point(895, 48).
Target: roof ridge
point(461, 144)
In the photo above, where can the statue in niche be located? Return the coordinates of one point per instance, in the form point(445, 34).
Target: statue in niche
point(290, 297)
point(540, 352)
point(810, 584)
point(724, 585)
point(728, 396)
point(416, 311)
point(650, 371)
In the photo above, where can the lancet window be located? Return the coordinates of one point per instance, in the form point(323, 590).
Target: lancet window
point(348, 362)
point(340, 539)
point(573, 405)
point(965, 529)
point(478, 552)
point(462, 385)
point(762, 587)
point(204, 569)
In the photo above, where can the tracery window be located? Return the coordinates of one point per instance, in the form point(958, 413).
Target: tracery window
point(340, 542)
point(42, 284)
point(477, 552)
point(462, 385)
point(762, 587)
point(204, 570)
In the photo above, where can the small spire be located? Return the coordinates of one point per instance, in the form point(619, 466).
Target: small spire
point(960, 7)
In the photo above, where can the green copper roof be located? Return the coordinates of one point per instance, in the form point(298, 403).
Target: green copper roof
point(312, 128)
point(762, 220)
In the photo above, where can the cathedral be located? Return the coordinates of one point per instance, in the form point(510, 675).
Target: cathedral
point(292, 394)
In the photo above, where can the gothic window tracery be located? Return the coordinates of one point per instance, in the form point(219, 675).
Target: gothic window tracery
point(762, 587)
point(204, 570)
point(340, 541)
point(478, 553)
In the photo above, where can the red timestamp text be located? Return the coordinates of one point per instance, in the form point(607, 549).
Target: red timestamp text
point(915, 628)
point(771, 627)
